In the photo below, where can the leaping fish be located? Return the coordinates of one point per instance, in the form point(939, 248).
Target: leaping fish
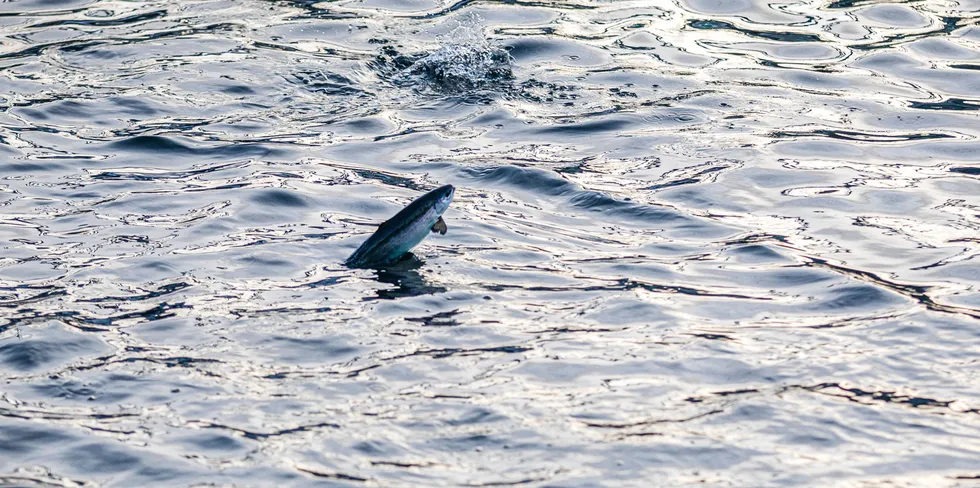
point(399, 234)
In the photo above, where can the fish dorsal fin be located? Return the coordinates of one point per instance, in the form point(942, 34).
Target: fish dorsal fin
point(439, 226)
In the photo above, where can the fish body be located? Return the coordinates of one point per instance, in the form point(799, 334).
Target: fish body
point(399, 234)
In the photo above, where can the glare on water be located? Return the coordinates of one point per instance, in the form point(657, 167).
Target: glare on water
point(703, 242)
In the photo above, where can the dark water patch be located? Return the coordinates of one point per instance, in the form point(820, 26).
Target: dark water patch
point(44, 348)
point(582, 128)
point(161, 474)
point(255, 435)
point(365, 126)
point(661, 119)
point(404, 464)
point(6, 149)
point(525, 31)
point(769, 35)
point(954, 104)
point(28, 168)
point(87, 49)
point(917, 293)
point(407, 282)
point(215, 442)
point(389, 61)
point(17, 440)
point(26, 355)
point(966, 170)
point(698, 174)
point(713, 337)
point(281, 198)
point(73, 390)
point(334, 348)
point(527, 50)
point(846, 4)
point(286, 48)
point(332, 475)
point(152, 143)
point(232, 186)
point(863, 296)
point(868, 397)
point(170, 362)
point(40, 50)
point(161, 311)
point(95, 22)
point(441, 319)
point(125, 239)
point(87, 322)
point(470, 442)
point(263, 260)
point(51, 292)
point(162, 290)
point(317, 10)
point(756, 253)
point(477, 416)
point(65, 109)
point(179, 146)
point(788, 278)
point(387, 178)
point(238, 90)
point(405, 132)
point(847, 135)
point(102, 459)
point(325, 282)
point(721, 394)
point(630, 284)
point(791, 65)
point(284, 311)
point(36, 414)
point(447, 352)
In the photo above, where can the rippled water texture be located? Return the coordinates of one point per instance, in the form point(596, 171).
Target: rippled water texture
point(716, 242)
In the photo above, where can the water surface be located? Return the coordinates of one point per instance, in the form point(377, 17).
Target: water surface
point(702, 242)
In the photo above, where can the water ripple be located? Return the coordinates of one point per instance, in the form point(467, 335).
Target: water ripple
point(702, 242)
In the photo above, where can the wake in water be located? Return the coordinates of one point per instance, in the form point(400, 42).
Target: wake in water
point(466, 61)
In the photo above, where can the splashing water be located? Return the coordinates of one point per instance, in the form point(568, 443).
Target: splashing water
point(466, 61)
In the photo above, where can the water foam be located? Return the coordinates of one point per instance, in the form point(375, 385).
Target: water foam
point(466, 61)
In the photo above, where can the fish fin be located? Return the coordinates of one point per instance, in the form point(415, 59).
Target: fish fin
point(383, 224)
point(440, 226)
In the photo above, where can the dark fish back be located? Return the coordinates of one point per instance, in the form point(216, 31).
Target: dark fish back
point(395, 225)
